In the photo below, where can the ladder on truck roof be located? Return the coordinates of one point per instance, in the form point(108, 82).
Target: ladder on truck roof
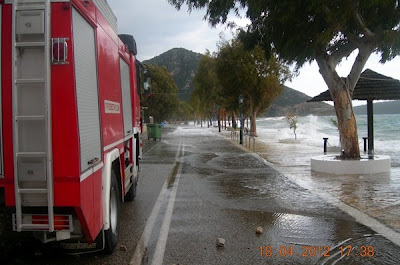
point(32, 113)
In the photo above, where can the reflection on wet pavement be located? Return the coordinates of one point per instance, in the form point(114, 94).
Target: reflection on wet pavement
point(377, 195)
point(299, 227)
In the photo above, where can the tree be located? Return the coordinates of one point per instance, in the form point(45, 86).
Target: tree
point(207, 89)
point(183, 112)
point(326, 31)
point(250, 73)
point(292, 120)
point(163, 100)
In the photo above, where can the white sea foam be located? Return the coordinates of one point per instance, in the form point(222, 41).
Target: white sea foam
point(182, 131)
point(311, 130)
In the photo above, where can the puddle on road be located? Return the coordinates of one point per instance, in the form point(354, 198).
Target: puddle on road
point(299, 239)
point(291, 215)
point(172, 176)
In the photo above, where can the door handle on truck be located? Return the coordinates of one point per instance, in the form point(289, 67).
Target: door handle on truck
point(93, 161)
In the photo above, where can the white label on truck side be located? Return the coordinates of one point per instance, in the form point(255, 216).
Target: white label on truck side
point(112, 107)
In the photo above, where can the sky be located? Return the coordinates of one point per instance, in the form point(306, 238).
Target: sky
point(158, 27)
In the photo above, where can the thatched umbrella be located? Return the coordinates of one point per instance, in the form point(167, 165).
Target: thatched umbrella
point(371, 86)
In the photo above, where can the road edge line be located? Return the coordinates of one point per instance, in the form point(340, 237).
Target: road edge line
point(158, 256)
point(141, 247)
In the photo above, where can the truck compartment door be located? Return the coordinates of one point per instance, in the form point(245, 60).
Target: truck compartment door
point(126, 97)
point(87, 91)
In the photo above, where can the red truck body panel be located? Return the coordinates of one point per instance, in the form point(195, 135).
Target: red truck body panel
point(6, 69)
point(72, 188)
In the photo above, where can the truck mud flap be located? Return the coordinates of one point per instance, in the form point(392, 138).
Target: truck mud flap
point(80, 246)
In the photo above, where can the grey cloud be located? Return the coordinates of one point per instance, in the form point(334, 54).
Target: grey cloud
point(158, 27)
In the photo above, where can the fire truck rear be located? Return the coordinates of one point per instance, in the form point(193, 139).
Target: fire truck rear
point(70, 121)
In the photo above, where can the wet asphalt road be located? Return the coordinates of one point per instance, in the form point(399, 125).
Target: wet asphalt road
point(196, 186)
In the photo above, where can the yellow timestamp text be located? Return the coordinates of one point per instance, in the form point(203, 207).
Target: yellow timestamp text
point(315, 251)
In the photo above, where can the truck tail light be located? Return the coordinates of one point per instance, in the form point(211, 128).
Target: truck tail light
point(59, 50)
point(61, 222)
point(39, 222)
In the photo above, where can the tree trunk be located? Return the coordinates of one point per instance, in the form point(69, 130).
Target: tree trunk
point(219, 121)
point(253, 127)
point(341, 90)
point(234, 125)
point(225, 118)
point(347, 123)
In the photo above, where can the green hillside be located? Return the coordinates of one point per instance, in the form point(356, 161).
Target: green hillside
point(182, 65)
point(296, 102)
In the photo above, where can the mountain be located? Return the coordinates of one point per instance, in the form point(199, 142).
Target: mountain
point(390, 107)
point(293, 101)
point(182, 65)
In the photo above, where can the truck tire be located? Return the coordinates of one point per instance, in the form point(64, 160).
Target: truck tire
point(112, 234)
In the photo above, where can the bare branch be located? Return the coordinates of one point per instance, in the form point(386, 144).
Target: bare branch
point(352, 38)
point(361, 24)
point(327, 71)
point(342, 52)
point(359, 63)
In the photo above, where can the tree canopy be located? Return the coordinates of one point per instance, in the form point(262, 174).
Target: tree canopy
point(299, 29)
point(206, 95)
point(251, 74)
point(235, 71)
point(163, 100)
point(323, 30)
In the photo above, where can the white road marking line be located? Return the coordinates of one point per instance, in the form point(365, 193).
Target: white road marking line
point(162, 239)
point(359, 216)
point(144, 239)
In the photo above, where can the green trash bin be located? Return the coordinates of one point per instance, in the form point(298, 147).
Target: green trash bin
point(154, 131)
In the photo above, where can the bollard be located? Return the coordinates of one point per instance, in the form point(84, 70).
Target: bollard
point(365, 143)
point(325, 142)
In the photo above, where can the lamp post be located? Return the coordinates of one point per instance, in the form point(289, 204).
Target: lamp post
point(241, 98)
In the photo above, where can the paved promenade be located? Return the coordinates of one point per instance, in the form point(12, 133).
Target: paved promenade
point(373, 200)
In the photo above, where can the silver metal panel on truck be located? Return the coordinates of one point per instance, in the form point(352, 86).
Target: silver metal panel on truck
point(86, 90)
point(126, 97)
point(106, 11)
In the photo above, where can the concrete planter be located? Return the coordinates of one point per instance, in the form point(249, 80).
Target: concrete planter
point(330, 164)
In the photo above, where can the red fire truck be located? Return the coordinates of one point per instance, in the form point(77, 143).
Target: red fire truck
point(70, 120)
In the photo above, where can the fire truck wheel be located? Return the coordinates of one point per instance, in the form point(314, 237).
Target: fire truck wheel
point(111, 235)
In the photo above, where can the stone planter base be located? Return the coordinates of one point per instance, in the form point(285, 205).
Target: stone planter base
point(330, 164)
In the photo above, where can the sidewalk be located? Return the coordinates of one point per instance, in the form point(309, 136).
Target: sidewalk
point(368, 198)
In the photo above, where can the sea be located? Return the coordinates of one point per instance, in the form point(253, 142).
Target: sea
point(312, 129)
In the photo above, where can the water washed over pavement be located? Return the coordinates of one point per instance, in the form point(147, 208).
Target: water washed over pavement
point(377, 195)
point(226, 192)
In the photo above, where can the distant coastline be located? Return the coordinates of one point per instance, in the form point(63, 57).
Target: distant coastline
point(389, 107)
point(293, 101)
